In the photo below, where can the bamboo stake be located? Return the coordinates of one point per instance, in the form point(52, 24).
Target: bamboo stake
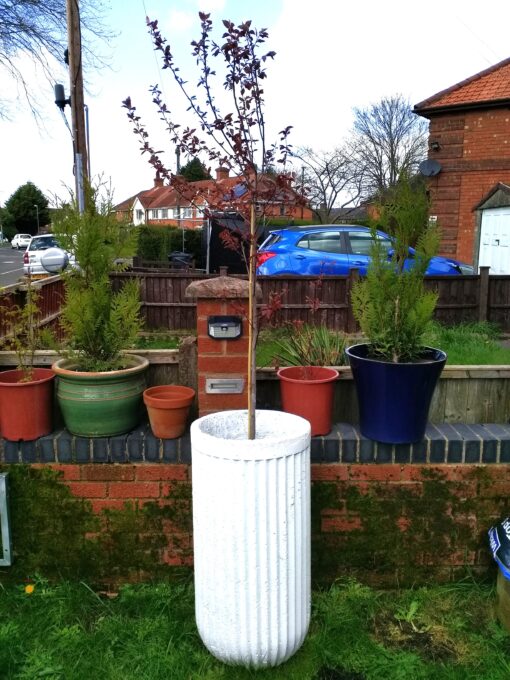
point(252, 329)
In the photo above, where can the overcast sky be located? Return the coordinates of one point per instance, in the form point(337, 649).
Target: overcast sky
point(332, 55)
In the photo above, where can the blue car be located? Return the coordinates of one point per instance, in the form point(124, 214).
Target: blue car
point(333, 249)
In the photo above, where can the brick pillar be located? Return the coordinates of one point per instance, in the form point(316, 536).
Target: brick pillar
point(221, 296)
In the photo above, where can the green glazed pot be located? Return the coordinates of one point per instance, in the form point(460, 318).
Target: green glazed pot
point(101, 404)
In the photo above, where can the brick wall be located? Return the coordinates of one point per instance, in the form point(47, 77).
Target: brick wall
point(383, 514)
point(368, 520)
point(475, 155)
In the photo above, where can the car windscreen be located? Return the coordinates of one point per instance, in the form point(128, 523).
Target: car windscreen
point(43, 243)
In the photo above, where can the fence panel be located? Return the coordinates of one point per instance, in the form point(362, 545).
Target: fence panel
point(324, 300)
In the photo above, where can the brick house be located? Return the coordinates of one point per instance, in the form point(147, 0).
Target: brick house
point(163, 205)
point(469, 139)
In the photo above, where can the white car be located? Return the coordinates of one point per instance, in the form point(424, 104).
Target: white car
point(36, 248)
point(20, 241)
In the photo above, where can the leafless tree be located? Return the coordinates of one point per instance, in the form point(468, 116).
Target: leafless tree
point(37, 29)
point(387, 140)
point(331, 179)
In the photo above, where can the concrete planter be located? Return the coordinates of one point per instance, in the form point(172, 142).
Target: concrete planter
point(251, 527)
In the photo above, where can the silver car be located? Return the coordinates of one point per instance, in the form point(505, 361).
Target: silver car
point(36, 248)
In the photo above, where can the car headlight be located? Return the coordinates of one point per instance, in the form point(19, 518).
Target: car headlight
point(465, 268)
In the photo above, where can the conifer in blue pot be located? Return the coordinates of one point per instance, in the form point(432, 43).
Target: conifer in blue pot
point(394, 373)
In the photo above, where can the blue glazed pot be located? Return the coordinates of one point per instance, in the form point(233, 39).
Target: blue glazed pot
point(394, 399)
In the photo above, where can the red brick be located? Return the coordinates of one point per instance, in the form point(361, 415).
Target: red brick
point(88, 489)
point(381, 473)
point(133, 490)
point(153, 473)
point(340, 524)
point(222, 402)
point(216, 307)
point(69, 472)
point(207, 345)
point(222, 364)
point(98, 505)
point(108, 473)
point(330, 472)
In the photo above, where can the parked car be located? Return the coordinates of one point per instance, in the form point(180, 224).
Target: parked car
point(333, 249)
point(20, 241)
point(35, 250)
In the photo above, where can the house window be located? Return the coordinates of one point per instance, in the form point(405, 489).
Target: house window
point(154, 214)
point(186, 213)
point(164, 213)
point(139, 215)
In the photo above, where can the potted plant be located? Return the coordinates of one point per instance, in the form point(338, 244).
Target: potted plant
point(99, 388)
point(395, 375)
point(26, 393)
point(307, 378)
point(245, 470)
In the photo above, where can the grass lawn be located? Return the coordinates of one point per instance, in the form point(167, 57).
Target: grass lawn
point(68, 632)
point(473, 344)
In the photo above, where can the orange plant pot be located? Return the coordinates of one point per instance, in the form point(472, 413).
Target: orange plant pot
point(168, 407)
point(307, 391)
point(26, 407)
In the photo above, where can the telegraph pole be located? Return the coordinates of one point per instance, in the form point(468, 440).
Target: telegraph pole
point(77, 102)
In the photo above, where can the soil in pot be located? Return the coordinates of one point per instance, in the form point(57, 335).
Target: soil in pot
point(168, 408)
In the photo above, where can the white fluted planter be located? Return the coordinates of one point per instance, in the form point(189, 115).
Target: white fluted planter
point(251, 528)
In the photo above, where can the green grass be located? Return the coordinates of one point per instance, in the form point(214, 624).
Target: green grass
point(469, 343)
point(158, 341)
point(147, 632)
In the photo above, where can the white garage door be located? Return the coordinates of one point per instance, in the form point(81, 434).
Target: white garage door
point(495, 240)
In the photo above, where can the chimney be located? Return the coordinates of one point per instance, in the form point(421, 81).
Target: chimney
point(221, 173)
point(158, 180)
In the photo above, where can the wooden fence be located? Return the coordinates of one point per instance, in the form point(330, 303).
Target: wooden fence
point(50, 293)
point(165, 305)
point(461, 298)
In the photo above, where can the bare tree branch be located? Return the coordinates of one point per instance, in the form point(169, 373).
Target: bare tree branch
point(388, 139)
point(331, 179)
point(37, 29)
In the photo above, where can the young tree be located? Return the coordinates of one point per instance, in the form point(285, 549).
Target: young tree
point(330, 179)
point(37, 29)
point(388, 140)
point(194, 170)
point(26, 210)
point(235, 140)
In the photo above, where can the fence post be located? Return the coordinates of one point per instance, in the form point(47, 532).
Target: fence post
point(483, 299)
point(352, 324)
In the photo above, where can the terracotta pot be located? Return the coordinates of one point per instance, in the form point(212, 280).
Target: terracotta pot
point(168, 407)
point(26, 407)
point(308, 391)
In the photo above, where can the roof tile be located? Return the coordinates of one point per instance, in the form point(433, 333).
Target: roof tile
point(489, 86)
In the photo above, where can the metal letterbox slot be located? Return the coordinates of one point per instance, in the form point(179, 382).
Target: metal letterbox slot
point(224, 385)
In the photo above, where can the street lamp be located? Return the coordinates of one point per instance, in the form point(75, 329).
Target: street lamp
point(37, 213)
